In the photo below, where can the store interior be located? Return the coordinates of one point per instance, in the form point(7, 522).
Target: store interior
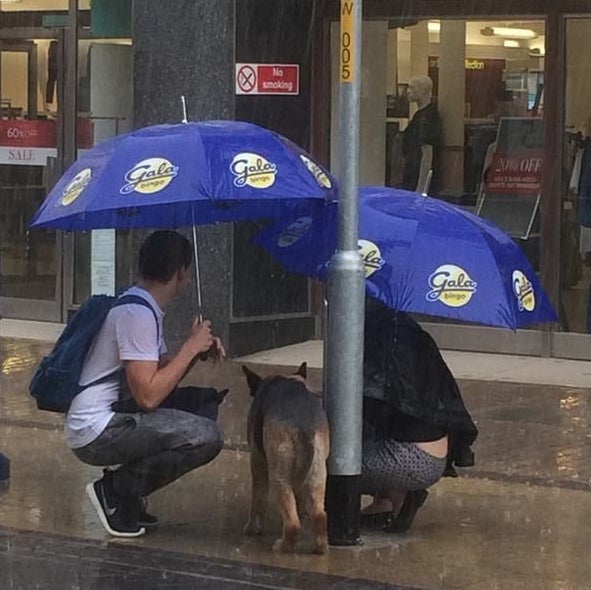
point(482, 72)
point(29, 77)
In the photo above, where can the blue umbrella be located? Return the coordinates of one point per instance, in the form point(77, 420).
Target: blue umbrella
point(170, 176)
point(421, 255)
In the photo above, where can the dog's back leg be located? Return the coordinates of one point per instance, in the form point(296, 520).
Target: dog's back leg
point(289, 514)
point(259, 492)
point(314, 490)
point(281, 465)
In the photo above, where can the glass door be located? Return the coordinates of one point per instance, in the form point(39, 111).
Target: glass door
point(30, 261)
point(575, 251)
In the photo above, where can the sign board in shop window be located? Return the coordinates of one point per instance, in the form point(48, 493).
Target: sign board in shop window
point(31, 142)
point(102, 262)
point(513, 181)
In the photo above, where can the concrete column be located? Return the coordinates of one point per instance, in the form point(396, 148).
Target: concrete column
point(372, 153)
point(392, 62)
point(196, 60)
point(419, 56)
point(372, 132)
point(578, 73)
point(451, 103)
point(419, 50)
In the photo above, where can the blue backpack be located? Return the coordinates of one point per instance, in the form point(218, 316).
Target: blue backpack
point(56, 381)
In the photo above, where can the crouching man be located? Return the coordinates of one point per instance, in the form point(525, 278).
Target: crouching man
point(130, 412)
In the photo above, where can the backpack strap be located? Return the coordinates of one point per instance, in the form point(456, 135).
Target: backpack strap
point(128, 300)
point(138, 300)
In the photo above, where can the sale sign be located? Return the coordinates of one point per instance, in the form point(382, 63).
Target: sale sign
point(517, 163)
point(41, 133)
point(516, 174)
point(267, 79)
point(511, 193)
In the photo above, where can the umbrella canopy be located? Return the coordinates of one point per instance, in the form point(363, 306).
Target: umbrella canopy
point(421, 255)
point(170, 176)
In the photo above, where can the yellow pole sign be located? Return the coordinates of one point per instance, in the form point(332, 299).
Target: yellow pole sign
point(347, 40)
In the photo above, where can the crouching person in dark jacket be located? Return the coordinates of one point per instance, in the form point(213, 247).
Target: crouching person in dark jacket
point(416, 427)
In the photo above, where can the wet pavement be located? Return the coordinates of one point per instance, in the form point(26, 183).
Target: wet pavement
point(516, 520)
point(55, 562)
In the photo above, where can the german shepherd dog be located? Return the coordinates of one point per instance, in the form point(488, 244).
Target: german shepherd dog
point(289, 443)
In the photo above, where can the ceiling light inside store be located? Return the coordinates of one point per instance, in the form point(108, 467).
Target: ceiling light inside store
point(10, 1)
point(434, 26)
point(511, 43)
point(509, 32)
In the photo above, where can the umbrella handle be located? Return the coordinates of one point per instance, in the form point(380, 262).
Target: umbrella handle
point(204, 355)
point(197, 271)
point(197, 275)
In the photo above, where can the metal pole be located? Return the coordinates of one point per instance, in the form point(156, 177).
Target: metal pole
point(344, 360)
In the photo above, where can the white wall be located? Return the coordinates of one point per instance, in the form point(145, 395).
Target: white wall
point(14, 78)
point(111, 88)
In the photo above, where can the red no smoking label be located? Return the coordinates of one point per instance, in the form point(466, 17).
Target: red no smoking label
point(267, 79)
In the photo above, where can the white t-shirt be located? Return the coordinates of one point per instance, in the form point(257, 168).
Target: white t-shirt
point(129, 333)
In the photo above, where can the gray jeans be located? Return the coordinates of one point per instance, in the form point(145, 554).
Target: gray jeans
point(153, 449)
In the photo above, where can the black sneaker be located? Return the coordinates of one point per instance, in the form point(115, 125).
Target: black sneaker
point(412, 502)
point(376, 520)
point(118, 515)
point(145, 518)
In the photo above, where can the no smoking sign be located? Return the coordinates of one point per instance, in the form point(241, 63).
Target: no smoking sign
point(267, 79)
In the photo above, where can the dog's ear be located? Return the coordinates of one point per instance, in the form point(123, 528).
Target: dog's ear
point(303, 370)
point(252, 379)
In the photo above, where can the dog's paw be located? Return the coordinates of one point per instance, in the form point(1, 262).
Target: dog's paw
point(284, 546)
point(320, 547)
point(253, 529)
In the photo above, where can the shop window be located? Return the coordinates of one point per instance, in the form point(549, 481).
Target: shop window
point(483, 82)
point(576, 186)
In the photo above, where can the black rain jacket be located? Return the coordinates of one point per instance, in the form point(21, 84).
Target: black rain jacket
point(404, 373)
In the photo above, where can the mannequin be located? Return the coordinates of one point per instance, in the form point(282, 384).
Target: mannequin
point(422, 137)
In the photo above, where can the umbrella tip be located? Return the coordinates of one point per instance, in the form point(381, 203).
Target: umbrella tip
point(184, 103)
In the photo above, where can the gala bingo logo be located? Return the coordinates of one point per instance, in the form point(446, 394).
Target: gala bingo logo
point(75, 187)
point(452, 286)
point(524, 291)
point(149, 176)
point(372, 257)
point(295, 232)
point(253, 170)
point(317, 172)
